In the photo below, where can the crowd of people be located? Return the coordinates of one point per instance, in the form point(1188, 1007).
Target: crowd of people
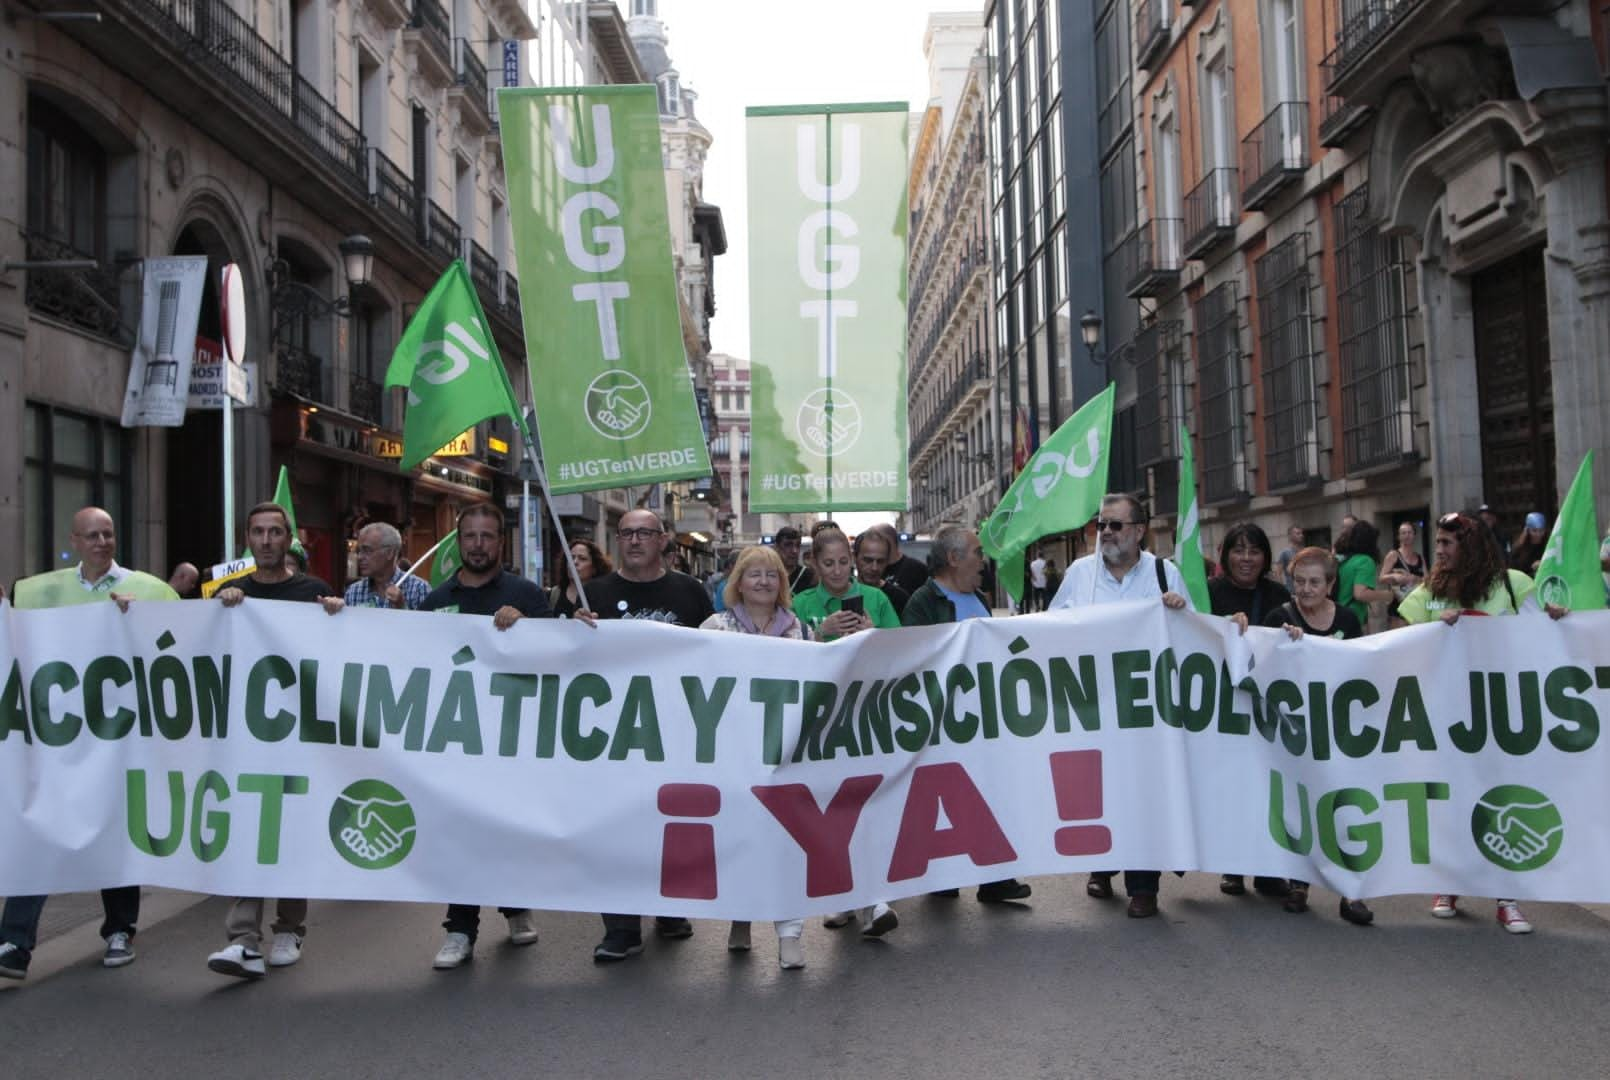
point(842, 588)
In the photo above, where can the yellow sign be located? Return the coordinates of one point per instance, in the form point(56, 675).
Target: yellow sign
point(463, 446)
point(224, 574)
point(496, 445)
point(385, 446)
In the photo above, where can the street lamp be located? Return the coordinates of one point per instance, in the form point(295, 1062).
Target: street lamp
point(358, 258)
point(1090, 331)
point(294, 300)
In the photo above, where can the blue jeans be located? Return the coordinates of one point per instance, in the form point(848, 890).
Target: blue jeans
point(19, 923)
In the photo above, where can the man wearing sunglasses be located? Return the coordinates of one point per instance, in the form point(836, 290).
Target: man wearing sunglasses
point(1122, 570)
point(642, 588)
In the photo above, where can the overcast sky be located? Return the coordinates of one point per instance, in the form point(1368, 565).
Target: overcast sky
point(738, 53)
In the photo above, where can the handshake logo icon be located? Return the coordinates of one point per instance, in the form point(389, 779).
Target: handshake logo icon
point(371, 825)
point(1517, 827)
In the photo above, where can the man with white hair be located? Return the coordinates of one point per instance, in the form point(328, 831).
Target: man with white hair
point(384, 583)
point(1122, 569)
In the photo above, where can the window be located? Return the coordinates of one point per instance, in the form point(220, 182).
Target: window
point(71, 461)
point(1286, 347)
point(1218, 358)
point(371, 353)
point(1372, 303)
point(1219, 126)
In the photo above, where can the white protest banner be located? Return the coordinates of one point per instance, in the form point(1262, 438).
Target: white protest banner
point(159, 369)
point(273, 749)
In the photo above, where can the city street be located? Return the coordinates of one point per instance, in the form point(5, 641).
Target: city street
point(1061, 986)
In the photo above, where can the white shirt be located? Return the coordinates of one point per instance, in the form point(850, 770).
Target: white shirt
point(1088, 581)
point(1037, 573)
point(106, 582)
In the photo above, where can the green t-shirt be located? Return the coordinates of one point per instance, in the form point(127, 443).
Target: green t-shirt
point(64, 588)
point(1421, 607)
point(814, 605)
point(1355, 570)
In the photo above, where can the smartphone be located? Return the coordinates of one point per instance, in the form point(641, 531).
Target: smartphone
point(856, 604)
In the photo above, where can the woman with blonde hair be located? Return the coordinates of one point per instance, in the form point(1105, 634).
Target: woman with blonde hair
point(758, 602)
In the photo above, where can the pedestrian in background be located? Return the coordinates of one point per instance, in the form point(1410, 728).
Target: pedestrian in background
point(758, 602)
point(1294, 543)
point(1358, 555)
point(591, 562)
point(382, 582)
point(787, 541)
point(871, 550)
point(1527, 551)
point(903, 570)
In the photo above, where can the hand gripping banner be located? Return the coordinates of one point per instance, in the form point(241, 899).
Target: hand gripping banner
point(271, 749)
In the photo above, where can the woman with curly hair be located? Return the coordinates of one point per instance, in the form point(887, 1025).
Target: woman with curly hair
point(1469, 577)
point(591, 562)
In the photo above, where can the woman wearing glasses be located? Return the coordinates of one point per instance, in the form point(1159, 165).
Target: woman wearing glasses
point(758, 602)
point(1469, 577)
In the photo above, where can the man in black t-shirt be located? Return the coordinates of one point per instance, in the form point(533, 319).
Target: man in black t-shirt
point(480, 586)
point(800, 577)
point(641, 588)
point(908, 573)
point(268, 534)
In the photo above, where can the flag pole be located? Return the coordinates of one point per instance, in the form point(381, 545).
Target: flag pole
point(529, 451)
point(421, 561)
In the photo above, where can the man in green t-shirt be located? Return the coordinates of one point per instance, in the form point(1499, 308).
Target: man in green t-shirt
point(96, 579)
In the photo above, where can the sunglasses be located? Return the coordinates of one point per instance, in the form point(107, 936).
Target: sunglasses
point(1454, 522)
point(1112, 525)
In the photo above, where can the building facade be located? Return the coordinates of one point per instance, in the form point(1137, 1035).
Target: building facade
point(951, 369)
point(269, 135)
point(1361, 230)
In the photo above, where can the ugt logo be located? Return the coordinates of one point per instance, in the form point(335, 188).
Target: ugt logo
point(443, 361)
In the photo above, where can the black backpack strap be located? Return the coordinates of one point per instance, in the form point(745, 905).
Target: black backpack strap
point(1162, 575)
point(1513, 605)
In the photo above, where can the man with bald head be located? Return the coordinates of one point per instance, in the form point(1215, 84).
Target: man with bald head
point(96, 579)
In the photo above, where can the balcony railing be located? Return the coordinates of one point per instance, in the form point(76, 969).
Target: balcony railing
point(1362, 24)
point(1337, 119)
point(1275, 153)
point(435, 29)
point(88, 299)
point(484, 272)
point(1152, 257)
point(511, 296)
point(441, 233)
point(392, 189)
point(217, 40)
point(300, 372)
point(365, 398)
point(1212, 211)
point(1151, 31)
point(471, 75)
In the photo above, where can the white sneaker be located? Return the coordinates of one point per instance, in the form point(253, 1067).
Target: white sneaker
point(456, 949)
point(522, 928)
point(878, 920)
point(285, 951)
point(790, 954)
point(239, 961)
point(738, 937)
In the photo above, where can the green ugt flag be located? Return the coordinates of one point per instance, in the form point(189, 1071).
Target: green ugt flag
point(1569, 573)
point(447, 560)
point(1060, 488)
point(449, 363)
point(1188, 548)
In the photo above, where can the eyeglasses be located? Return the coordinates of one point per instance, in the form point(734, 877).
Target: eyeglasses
point(639, 534)
point(1112, 525)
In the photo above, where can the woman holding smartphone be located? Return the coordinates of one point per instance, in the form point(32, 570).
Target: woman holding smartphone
point(839, 605)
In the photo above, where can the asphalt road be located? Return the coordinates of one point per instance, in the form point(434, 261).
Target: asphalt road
point(1061, 986)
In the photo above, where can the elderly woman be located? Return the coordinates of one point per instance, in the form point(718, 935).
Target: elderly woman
point(1312, 611)
point(1468, 577)
point(591, 562)
point(758, 602)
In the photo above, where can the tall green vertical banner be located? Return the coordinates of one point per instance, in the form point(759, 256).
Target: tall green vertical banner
point(827, 307)
point(603, 329)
